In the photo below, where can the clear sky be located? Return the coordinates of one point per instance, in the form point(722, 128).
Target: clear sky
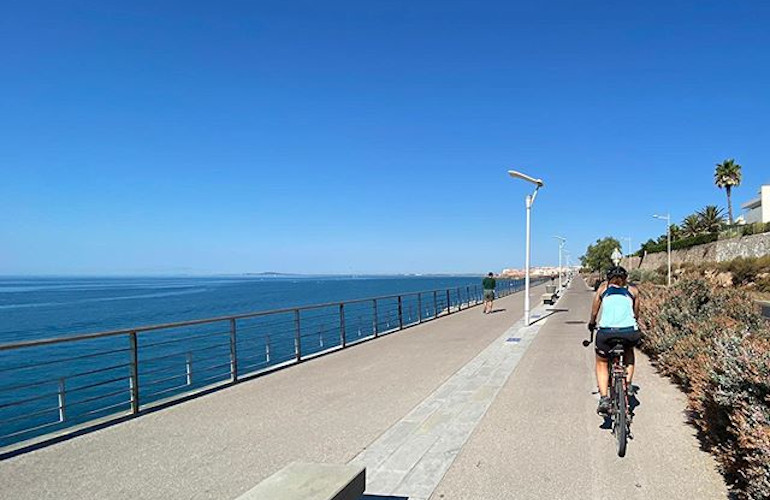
point(365, 136)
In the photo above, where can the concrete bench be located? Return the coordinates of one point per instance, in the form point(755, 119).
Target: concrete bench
point(305, 481)
point(549, 298)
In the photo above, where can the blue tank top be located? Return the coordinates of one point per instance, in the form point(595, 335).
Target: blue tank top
point(617, 308)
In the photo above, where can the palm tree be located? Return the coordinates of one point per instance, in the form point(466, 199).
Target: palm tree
point(676, 232)
point(712, 218)
point(727, 175)
point(691, 226)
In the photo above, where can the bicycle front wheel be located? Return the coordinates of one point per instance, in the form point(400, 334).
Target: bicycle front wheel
point(620, 417)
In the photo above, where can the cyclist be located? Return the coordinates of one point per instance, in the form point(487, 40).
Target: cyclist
point(619, 304)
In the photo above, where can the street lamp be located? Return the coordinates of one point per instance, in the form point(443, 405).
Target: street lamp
point(529, 201)
point(628, 250)
point(562, 241)
point(667, 218)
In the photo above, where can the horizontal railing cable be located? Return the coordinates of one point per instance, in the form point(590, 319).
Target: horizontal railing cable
point(169, 360)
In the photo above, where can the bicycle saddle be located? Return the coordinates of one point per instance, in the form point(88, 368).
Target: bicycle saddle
point(617, 346)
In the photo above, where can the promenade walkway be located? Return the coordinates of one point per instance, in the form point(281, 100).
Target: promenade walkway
point(218, 446)
point(469, 407)
point(542, 438)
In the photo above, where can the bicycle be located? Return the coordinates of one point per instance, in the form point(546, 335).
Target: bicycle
point(620, 411)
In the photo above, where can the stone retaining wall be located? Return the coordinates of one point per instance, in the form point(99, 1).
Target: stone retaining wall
point(755, 245)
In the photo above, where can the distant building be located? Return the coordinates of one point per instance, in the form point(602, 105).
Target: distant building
point(535, 272)
point(758, 209)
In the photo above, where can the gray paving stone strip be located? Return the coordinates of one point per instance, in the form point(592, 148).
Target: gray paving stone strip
point(410, 458)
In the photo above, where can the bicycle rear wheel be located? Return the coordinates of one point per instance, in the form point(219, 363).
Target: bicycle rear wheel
point(620, 420)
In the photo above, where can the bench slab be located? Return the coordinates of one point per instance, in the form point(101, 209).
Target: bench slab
point(306, 481)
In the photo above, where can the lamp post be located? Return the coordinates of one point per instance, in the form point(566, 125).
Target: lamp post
point(529, 201)
point(628, 250)
point(667, 218)
point(562, 241)
point(566, 257)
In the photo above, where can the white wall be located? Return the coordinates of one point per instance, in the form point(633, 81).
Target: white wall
point(762, 212)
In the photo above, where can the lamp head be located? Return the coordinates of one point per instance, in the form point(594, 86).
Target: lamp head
point(525, 177)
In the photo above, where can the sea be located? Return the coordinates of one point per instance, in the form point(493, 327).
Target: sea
point(50, 387)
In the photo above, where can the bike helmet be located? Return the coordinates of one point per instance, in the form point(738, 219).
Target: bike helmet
point(617, 272)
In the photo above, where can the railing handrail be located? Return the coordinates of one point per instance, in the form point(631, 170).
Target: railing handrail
point(29, 413)
point(202, 321)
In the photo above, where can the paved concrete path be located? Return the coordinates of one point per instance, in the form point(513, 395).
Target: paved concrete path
point(541, 438)
point(218, 446)
point(410, 458)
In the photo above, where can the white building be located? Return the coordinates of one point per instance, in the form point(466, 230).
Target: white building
point(758, 209)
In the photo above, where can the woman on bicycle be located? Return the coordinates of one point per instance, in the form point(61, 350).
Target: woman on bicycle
point(619, 304)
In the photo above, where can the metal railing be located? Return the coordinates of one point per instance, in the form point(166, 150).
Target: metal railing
point(53, 384)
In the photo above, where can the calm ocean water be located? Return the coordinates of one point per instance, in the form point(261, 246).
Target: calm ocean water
point(95, 375)
point(34, 308)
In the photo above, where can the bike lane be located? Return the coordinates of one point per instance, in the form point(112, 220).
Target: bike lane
point(541, 438)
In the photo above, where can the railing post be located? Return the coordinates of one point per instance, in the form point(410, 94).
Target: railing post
point(134, 378)
point(297, 338)
point(468, 294)
point(62, 401)
point(459, 299)
point(435, 304)
point(419, 307)
point(342, 325)
point(267, 348)
point(448, 302)
point(188, 368)
point(400, 315)
point(233, 353)
point(376, 328)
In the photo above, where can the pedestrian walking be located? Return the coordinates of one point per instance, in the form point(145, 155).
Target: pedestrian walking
point(488, 284)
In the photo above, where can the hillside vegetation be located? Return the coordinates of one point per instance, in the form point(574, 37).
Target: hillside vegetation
point(715, 345)
point(749, 274)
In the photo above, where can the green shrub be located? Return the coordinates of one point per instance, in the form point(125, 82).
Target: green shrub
point(763, 284)
point(683, 243)
point(738, 230)
point(746, 270)
point(646, 276)
point(756, 228)
point(735, 396)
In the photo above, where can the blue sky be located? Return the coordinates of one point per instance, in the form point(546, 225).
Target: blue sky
point(366, 137)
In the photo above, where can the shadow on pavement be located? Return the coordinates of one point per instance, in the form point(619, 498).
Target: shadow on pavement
point(633, 401)
point(493, 311)
point(550, 312)
point(380, 497)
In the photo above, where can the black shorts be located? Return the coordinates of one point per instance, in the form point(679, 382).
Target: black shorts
point(606, 338)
